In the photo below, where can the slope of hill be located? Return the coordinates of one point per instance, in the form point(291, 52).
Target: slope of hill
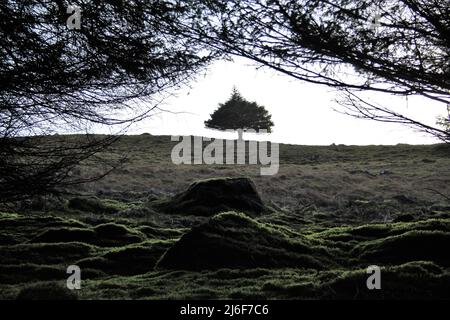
point(332, 212)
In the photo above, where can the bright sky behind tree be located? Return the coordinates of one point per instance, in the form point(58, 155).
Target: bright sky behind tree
point(303, 113)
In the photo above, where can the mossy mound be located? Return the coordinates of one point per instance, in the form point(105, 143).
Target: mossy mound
point(380, 231)
point(412, 280)
point(112, 234)
point(104, 235)
point(212, 196)
point(233, 240)
point(162, 233)
point(111, 230)
point(19, 229)
point(27, 272)
point(409, 246)
point(95, 205)
point(130, 260)
point(45, 253)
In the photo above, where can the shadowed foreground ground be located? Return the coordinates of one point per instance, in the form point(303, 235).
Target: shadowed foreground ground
point(330, 212)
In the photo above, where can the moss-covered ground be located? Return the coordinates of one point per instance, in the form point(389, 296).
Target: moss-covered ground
point(332, 214)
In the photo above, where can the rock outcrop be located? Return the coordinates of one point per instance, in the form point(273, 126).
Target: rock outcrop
point(212, 196)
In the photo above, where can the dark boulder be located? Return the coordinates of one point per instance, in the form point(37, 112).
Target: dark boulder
point(212, 196)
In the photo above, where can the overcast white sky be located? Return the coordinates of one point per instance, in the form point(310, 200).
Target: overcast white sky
point(302, 113)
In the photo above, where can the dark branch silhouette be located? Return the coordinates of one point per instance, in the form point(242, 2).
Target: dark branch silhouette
point(111, 71)
point(395, 47)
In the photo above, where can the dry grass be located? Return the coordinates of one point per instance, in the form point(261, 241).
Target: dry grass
point(325, 176)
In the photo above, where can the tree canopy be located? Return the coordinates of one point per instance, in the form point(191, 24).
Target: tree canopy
point(239, 114)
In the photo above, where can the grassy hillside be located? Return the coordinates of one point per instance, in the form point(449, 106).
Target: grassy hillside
point(332, 211)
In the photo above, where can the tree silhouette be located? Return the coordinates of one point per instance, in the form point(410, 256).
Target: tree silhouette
point(239, 114)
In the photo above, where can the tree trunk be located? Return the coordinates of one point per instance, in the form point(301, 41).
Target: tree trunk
point(240, 134)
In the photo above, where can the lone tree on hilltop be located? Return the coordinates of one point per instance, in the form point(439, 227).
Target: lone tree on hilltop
point(239, 114)
point(399, 48)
